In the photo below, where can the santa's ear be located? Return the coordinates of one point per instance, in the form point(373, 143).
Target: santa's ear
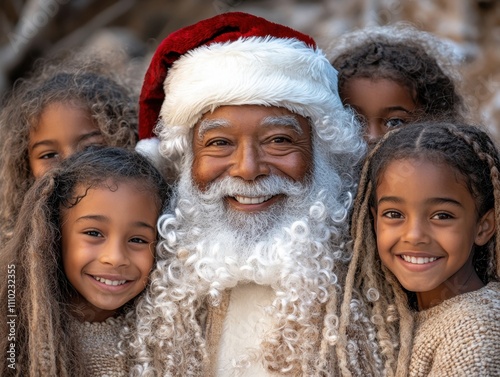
point(486, 228)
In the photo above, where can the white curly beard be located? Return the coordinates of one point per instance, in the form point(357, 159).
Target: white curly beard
point(286, 248)
point(241, 240)
point(227, 246)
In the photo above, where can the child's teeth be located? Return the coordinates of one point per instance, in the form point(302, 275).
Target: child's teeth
point(418, 260)
point(110, 282)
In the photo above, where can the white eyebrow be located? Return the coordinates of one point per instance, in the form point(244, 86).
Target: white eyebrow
point(209, 124)
point(284, 121)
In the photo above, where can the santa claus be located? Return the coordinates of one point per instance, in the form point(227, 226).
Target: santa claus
point(246, 115)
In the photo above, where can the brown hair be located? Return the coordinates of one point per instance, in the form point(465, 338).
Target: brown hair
point(415, 59)
point(472, 154)
point(112, 106)
point(44, 345)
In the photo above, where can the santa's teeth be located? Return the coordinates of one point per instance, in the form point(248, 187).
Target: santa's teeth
point(252, 200)
point(109, 282)
point(418, 260)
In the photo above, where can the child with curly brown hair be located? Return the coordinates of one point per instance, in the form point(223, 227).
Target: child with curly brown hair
point(64, 106)
point(81, 252)
point(392, 75)
point(426, 251)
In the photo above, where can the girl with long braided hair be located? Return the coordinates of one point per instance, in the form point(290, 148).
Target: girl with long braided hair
point(79, 258)
point(425, 253)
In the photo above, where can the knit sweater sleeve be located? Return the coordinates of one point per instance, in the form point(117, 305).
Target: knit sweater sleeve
point(459, 337)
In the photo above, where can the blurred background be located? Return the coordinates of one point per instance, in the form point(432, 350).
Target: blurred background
point(30, 29)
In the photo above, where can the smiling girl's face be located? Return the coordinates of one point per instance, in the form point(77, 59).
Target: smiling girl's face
point(426, 224)
point(108, 243)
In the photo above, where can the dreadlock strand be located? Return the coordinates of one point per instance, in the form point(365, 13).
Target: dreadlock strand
point(406, 326)
point(372, 287)
point(349, 286)
point(489, 155)
point(495, 180)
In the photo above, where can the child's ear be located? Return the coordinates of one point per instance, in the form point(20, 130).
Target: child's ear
point(486, 228)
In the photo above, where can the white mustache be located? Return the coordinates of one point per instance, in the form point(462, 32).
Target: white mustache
point(264, 187)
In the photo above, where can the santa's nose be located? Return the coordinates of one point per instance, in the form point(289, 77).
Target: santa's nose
point(249, 163)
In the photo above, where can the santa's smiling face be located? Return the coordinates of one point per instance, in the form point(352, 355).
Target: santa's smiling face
point(251, 201)
point(251, 173)
point(251, 142)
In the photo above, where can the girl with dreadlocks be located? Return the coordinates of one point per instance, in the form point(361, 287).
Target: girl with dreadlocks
point(391, 75)
point(425, 246)
point(81, 251)
point(64, 106)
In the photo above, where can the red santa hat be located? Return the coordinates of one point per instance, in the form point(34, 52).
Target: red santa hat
point(234, 59)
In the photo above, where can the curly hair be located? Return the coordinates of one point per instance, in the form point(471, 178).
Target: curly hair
point(171, 338)
point(44, 344)
point(415, 59)
point(112, 106)
point(471, 153)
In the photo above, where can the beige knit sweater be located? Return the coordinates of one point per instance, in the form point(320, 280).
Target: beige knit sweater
point(460, 337)
point(99, 342)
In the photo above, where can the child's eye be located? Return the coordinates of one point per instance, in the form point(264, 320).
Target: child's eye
point(138, 240)
point(93, 233)
point(442, 216)
point(394, 122)
point(49, 155)
point(392, 215)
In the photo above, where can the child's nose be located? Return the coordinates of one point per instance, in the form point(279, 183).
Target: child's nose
point(416, 232)
point(114, 254)
point(374, 130)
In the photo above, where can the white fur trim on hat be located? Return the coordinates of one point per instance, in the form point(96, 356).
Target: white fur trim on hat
point(149, 148)
point(250, 71)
